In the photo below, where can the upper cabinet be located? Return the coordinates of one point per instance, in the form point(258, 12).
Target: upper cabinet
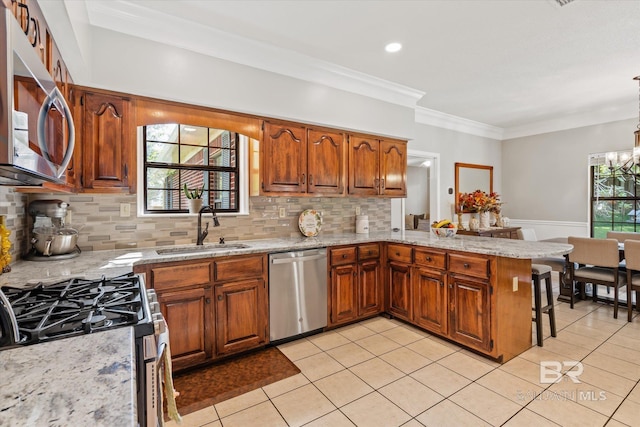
point(377, 167)
point(107, 137)
point(298, 160)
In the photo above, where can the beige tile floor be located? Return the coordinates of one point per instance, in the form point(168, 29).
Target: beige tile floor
point(382, 372)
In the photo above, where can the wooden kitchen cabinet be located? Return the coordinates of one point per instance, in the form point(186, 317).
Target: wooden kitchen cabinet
point(214, 307)
point(399, 281)
point(241, 316)
point(470, 312)
point(355, 288)
point(298, 160)
point(377, 167)
point(430, 305)
point(107, 137)
point(190, 345)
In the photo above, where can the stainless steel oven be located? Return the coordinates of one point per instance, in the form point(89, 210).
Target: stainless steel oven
point(29, 316)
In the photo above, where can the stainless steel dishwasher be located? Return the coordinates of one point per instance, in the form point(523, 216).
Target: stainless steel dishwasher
point(297, 292)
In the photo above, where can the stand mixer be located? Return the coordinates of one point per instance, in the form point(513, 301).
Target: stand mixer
point(50, 238)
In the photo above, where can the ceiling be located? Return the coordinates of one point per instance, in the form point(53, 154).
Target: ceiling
point(512, 65)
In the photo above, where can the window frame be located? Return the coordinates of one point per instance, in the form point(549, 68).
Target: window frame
point(241, 171)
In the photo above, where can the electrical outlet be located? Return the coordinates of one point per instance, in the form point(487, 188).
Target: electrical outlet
point(357, 210)
point(125, 210)
point(282, 212)
point(515, 284)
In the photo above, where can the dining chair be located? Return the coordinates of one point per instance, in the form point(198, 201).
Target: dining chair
point(632, 256)
point(595, 261)
point(622, 236)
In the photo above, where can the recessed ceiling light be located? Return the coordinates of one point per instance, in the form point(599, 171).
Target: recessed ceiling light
point(393, 47)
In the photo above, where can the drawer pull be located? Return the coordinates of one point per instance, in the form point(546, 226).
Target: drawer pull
point(207, 300)
point(370, 252)
point(397, 253)
point(344, 255)
point(465, 265)
point(219, 297)
point(428, 258)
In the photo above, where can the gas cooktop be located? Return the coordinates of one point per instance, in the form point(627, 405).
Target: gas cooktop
point(77, 306)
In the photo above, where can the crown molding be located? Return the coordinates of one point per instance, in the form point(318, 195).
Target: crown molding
point(128, 18)
point(447, 121)
point(620, 112)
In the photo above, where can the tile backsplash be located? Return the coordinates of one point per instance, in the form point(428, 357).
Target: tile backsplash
point(97, 218)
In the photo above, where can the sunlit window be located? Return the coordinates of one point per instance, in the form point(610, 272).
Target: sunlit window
point(204, 159)
point(615, 193)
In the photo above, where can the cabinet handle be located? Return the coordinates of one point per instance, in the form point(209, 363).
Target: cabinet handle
point(370, 252)
point(376, 182)
point(397, 253)
point(450, 286)
point(344, 255)
point(303, 178)
point(310, 179)
point(220, 298)
point(382, 183)
point(207, 300)
point(427, 258)
point(465, 265)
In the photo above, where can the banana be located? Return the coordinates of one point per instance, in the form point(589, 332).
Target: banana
point(442, 223)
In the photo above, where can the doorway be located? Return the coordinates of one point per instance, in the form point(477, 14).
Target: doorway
point(423, 165)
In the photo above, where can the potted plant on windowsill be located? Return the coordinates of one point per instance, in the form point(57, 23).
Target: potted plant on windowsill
point(194, 198)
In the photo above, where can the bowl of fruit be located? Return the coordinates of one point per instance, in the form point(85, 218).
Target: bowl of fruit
point(444, 228)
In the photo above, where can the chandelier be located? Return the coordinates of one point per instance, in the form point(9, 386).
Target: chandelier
point(625, 160)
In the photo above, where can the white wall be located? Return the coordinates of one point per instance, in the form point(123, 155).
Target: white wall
point(143, 67)
point(457, 147)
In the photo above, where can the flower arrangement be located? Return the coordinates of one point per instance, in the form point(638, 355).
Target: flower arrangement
point(479, 201)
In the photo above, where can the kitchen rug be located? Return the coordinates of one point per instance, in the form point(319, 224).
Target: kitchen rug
point(212, 384)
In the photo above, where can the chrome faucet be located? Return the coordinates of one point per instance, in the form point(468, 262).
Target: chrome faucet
point(202, 234)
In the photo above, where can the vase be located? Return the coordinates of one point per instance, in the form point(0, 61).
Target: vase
point(485, 219)
point(474, 224)
point(194, 205)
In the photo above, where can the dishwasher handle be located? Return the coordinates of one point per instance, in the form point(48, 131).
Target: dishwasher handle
point(297, 259)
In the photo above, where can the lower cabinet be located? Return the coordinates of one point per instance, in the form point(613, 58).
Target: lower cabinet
point(213, 307)
point(479, 301)
point(355, 283)
point(193, 345)
point(241, 316)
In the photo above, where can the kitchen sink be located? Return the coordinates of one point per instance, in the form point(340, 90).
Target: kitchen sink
point(200, 249)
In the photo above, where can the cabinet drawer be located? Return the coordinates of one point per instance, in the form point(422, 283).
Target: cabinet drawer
point(180, 276)
point(501, 234)
point(429, 258)
point(369, 251)
point(238, 267)
point(343, 255)
point(469, 265)
point(400, 253)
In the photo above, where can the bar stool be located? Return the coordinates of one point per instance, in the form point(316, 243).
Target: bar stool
point(542, 272)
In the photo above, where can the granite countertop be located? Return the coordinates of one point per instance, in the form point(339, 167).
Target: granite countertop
point(83, 380)
point(112, 263)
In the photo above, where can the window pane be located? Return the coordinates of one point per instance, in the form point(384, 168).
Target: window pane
point(222, 157)
point(194, 135)
point(159, 200)
point(161, 152)
point(191, 155)
point(223, 181)
point(163, 132)
point(224, 200)
point(162, 178)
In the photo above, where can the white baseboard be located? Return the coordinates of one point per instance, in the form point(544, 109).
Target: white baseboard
point(549, 229)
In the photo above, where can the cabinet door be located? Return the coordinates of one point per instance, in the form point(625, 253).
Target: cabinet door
point(344, 294)
point(241, 316)
point(364, 166)
point(393, 168)
point(369, 288)
point(470, 308)
point(325, 162)
point(429, 300)
point(284, 166)
point(188, 314)
point(106, 142)
point(400, 290)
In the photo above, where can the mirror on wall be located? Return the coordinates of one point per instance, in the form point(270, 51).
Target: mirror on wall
point(470, 177)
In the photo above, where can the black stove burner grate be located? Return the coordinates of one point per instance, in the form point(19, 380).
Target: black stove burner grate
point(76, 306)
